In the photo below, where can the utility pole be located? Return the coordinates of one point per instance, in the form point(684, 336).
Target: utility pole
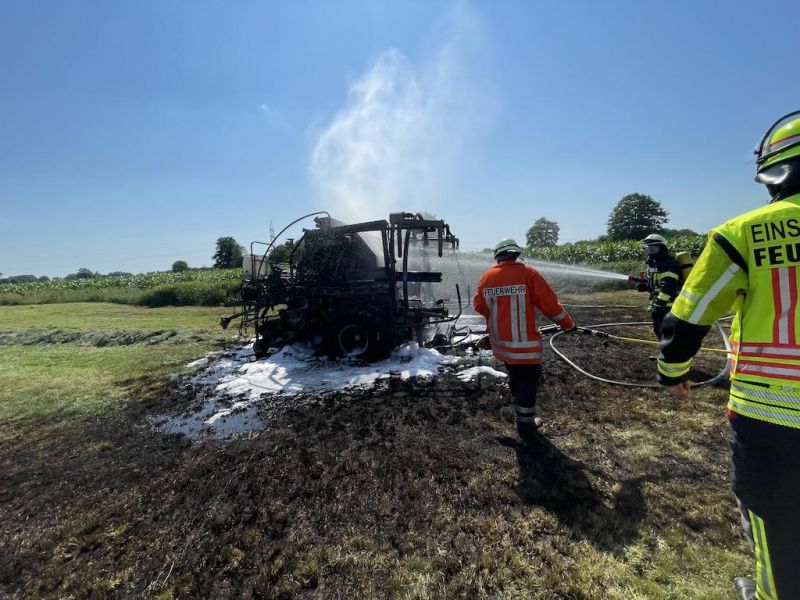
point(271, 232)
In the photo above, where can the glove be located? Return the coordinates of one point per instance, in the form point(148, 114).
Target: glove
point(642, 287)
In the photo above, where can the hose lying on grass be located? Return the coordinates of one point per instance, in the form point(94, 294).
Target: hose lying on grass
point(592, 331)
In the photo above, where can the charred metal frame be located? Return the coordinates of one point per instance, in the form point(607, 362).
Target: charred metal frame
point(396, 236)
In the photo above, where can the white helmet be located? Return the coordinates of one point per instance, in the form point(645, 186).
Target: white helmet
point(507, 247)
point(654, 238)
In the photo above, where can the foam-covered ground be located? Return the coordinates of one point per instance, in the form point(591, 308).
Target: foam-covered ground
point(239, 390)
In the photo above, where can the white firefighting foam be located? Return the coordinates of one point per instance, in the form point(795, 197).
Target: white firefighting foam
point(295, 369)
point(473, 372)
point(243, 389)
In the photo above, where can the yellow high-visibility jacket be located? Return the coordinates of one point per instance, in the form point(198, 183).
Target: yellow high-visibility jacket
point(749, 264)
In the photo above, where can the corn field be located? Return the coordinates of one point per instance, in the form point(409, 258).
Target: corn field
point(142, 281)
point(201, 287)
point(600, 253)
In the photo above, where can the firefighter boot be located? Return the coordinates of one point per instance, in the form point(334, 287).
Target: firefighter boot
point(745, 588)
point(529, 432)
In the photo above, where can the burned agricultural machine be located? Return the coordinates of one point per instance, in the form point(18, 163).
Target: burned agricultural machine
point(347, 289)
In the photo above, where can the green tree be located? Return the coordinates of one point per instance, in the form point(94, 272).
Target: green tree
point(180, 265)
point(21, 279)
point(83, 273)
point(280, 254)
point(676, 232)
point(228, 254)
point(543, 233)
point(636, 216)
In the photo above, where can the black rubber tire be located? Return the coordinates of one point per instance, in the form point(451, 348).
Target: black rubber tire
point(358, 336)
point(263, 339)
point(261, 347)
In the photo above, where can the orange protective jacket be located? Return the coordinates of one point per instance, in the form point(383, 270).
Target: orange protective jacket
point(508, 295)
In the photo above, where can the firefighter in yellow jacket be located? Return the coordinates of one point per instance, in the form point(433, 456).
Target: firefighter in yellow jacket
point(751, 264)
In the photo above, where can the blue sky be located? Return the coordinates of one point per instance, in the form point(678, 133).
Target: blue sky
point(137, 133)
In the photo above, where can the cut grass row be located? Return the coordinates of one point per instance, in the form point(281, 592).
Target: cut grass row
point(63, 382)
point(105, 316)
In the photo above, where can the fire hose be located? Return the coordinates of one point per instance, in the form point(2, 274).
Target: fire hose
point(607, 335)
point(594, 331)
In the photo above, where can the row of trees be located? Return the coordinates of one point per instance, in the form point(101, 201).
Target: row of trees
point(22, 278)
point(229, 253)
point(633, 218)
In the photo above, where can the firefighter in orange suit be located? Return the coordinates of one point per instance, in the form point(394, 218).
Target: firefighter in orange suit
point(508, 295)
point(751, 264)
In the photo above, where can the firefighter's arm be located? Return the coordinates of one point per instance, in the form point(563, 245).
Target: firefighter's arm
point(680, 341)
point(546, 300)
point(717, 280)
point(479, 302)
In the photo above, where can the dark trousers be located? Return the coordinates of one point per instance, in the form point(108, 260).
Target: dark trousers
point(658, 319)
point(766, 481)
point(523, 381)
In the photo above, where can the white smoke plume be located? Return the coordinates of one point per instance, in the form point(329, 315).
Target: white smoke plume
point(396, 143)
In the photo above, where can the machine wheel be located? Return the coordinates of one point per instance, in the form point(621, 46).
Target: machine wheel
point(358, 336)
point(258, 349)
point(261, 346)
point(264, 338)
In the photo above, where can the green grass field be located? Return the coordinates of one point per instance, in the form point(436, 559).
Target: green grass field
point(99, 368)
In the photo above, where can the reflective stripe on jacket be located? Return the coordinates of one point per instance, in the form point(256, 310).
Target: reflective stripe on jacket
point(750, 264)
point(508, 295)
point(664, 282)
